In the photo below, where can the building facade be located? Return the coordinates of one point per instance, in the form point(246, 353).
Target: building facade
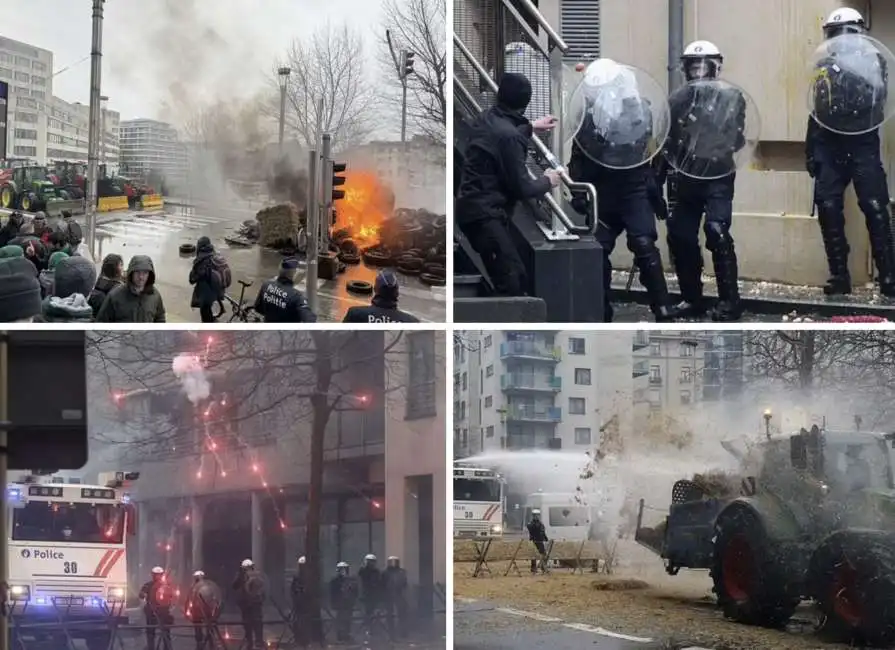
point(152, 147)
point(43, 128)
point(670, 367)
point(234, 466)
point(540, 390)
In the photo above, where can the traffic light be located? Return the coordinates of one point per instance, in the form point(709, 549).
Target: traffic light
point(338, 181)
point(406, 63)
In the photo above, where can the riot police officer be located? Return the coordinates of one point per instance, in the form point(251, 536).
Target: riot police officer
point(394, 581)
point(158, 597)
point(708, 124)
point(371, 589)
point(843, 146)
point(203, 607)
point(342, 598)
point(612, 154)
point(537, 535)
point(279, 301)
point(251, 592)
point(298, 589)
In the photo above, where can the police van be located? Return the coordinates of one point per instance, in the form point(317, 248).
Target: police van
point(68, 553)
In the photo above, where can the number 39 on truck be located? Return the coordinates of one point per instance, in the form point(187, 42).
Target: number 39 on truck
point(67, 554)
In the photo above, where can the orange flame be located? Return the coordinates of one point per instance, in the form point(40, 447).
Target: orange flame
point(368, 202)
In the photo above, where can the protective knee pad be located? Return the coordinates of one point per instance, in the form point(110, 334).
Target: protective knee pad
point(717, 237)
point(643, 247)
point(875, 208)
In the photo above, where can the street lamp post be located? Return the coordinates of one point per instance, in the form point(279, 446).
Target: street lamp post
point(283, 76)
point(104, 103)
point(96, 70)
point(767, 415)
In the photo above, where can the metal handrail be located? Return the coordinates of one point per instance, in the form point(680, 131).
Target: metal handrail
point(508, 5)
point(542, 22)
point(555, 164)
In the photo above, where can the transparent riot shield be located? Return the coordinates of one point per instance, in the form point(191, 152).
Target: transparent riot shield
point(715, 129)
point(619, 114)
point(849, 85)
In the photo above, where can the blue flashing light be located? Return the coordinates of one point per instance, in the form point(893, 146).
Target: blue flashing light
point(125, 498)
point(14, 493)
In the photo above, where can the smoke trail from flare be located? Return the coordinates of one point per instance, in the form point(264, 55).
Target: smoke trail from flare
point(189, 370)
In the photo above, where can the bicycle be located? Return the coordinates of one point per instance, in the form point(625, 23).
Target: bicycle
point(242, 312)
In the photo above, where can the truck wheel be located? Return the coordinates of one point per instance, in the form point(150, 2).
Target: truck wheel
point(7, 197)
point(28, 202)
point(853, 581)
point(749, 582)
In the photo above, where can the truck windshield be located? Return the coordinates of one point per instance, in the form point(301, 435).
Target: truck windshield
point(466, 489)
point(857, 467)
point(83, 523)
point(38, 174)
point(576, 516)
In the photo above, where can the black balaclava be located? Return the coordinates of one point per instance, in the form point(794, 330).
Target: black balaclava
point(514, 92)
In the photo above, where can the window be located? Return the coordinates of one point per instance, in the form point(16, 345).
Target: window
point(488, 402)
point(462, 410)
point(582, 435)
point(5, 72)
point(38, 81)
point(23, 61)
point(23, 76)
point(22, 90)
point(487, 341)
point(489, 371)
point(655, 349)
point(37, 65)
point(25, 102)
point(687, 349)
point(25, 151)
point(464, 382)
point(466, 489)
point(421, 376)
point(685, 397)
point(489, 432)
point(576, 346)
point(30, 118)
point(573, 516)
point(655, 374)
point(25, 134)
point(86, 523)
point(582, 376)
point(686, 375)
point(577, 406)
point(655, 397)
point(38, 94)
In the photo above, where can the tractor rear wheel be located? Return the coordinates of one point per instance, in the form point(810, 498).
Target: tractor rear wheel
point(7, 197)
point(853, 580)
point(749, 581)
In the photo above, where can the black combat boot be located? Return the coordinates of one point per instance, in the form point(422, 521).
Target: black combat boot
point(729, 308)
point(836, 247)
point(881, 246)
point(652, 277)
point(689, 278)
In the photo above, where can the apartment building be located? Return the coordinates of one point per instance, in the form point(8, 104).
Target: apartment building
point(41, 127)
point(724, 374)
point(152, 147)
point(537, 390)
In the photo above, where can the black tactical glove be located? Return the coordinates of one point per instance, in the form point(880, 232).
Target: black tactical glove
point(812, 167)
point(580, 203)
point(660, 207)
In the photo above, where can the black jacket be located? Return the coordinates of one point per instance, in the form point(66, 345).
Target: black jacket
point(494, 176)
point(102, 288)
point(379, 312)
point(206, 290)
point(279, 301)
point(536, 531)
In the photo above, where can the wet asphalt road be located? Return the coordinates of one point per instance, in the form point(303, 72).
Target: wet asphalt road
point(483, 626)
point(159, 235)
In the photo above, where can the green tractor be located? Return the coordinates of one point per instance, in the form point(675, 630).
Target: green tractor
point(810, 517)
point(30, 189)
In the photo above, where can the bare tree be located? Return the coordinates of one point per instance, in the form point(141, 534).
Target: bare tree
point(329, 66)
point(418, 26)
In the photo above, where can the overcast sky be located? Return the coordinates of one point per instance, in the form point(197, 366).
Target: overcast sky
point(154, 49)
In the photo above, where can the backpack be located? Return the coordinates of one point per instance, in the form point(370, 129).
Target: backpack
point(220, 272)
point(74, 233)
point(254, 588)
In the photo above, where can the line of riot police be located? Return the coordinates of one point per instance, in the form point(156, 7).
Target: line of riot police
point(637, 145)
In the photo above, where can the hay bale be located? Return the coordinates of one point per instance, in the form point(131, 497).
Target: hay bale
point(279, 225)
point(719, 485)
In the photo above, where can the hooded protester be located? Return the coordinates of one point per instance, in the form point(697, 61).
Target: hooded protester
point(384, 306)
point(48, 274)
point(111, 276)
point(11, 228)
point(34, 249)
point(19, 291)
point(73, 278)
point(41, 227)
point(72, 230)
point(210, 276)
point(59, 242)
point(279, 301)
point(136, 301)
point(495, 178)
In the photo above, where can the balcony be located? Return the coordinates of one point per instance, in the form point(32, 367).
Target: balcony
point(530, 350)
point(641, 340)
point(655, 381)
point(524, 383)
point(640, 369)
point(533, 414)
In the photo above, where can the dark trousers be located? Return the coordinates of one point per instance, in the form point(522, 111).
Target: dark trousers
point(396, 616)
point(542, 551)
point(300, 627)
point(158, 621)
point(842, 160)
point(253, 626)
point(202, 633)
point(706, 203)
point(205, 313)
point(343, 624)
point(491, 240)
point(633, 215)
